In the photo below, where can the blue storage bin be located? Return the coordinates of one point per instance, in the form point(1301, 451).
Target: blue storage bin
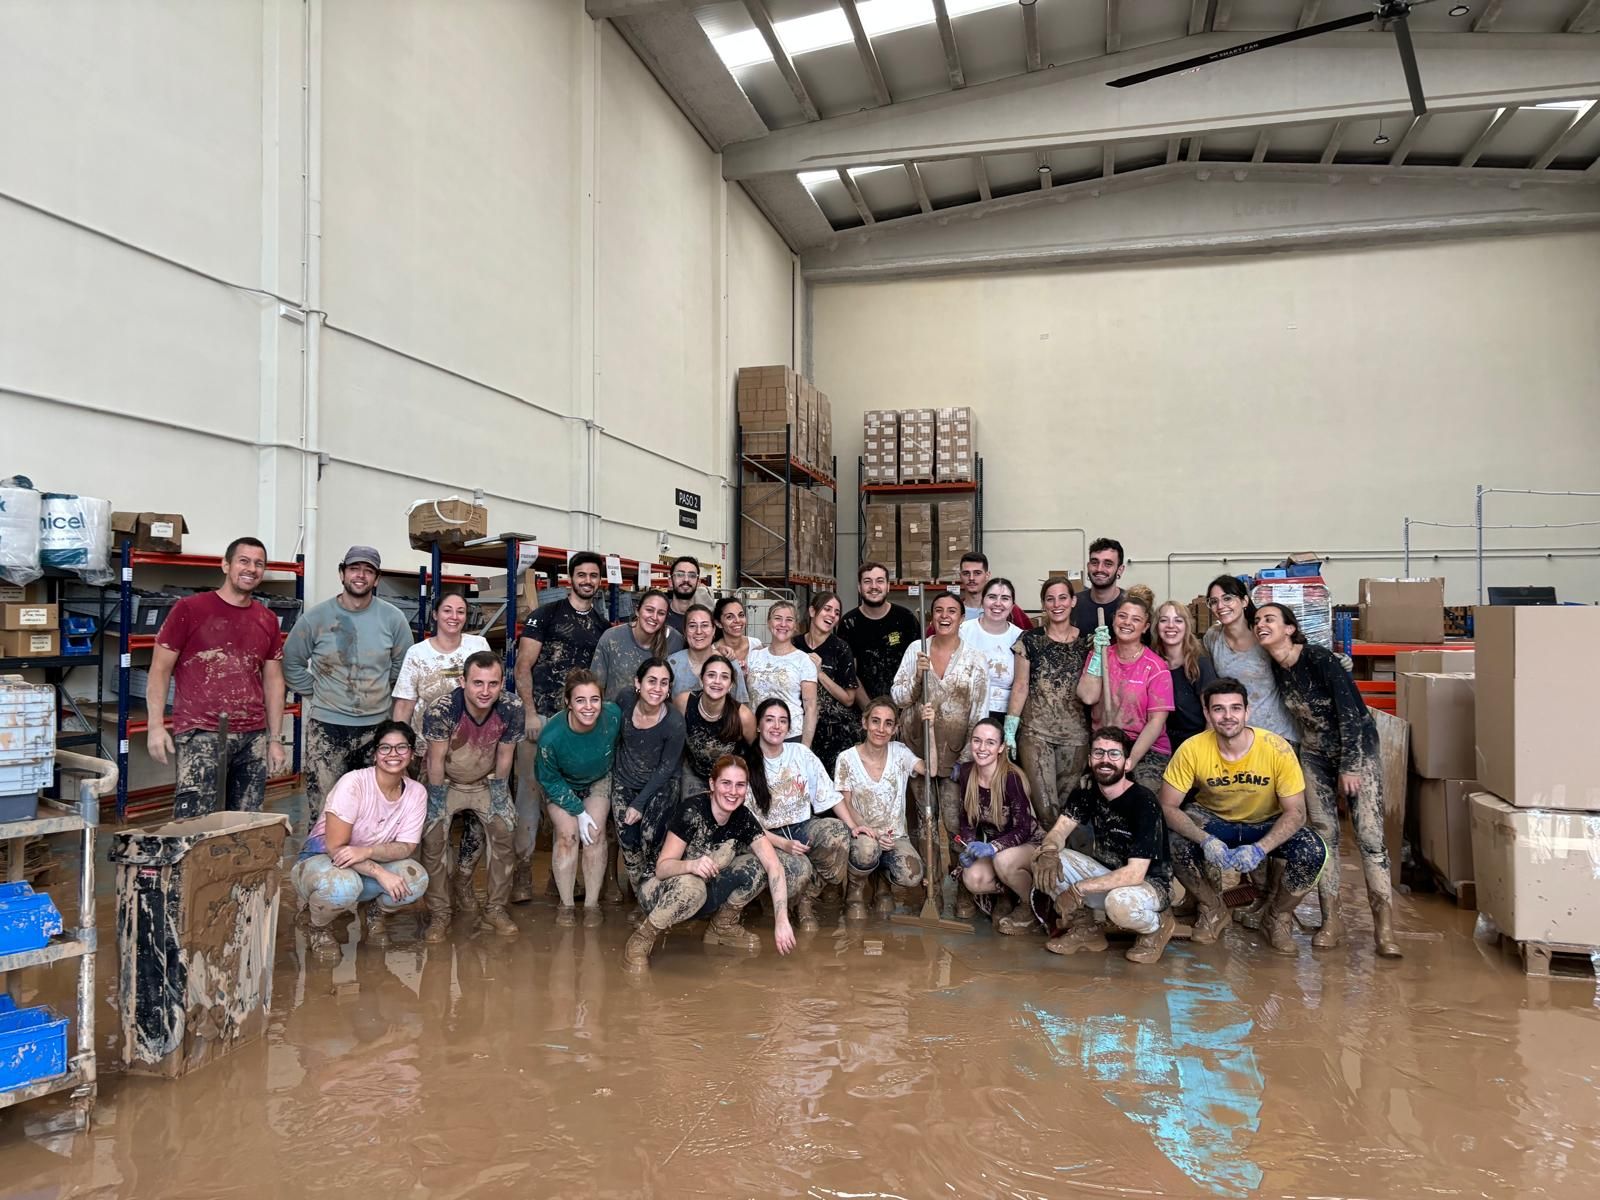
point(28, 919)
point(33, 1047)
point(1272, 573)
point(1305, 570)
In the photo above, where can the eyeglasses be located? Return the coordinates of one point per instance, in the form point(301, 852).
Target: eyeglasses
point(1108, 755)
point(1219, 601)
point(388, 750)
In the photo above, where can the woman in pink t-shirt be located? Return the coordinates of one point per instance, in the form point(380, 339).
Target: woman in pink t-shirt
point(1137, 685)
point(360, 850)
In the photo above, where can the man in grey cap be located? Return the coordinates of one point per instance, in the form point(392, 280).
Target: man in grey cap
point(343, 657)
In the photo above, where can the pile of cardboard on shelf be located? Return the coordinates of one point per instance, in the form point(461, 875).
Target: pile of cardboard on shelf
point(880, 446)
point(882, 535)
point(955, 522)
point(918, 434)
point(775, 399)
point(916, 541)
point(1535, 816)
point(918, 445)
point(29, 626)
point(770, 548)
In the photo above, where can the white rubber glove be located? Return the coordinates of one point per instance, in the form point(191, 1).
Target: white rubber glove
point(588, 831)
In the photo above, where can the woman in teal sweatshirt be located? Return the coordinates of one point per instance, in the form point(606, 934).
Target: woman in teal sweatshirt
point(576, 749)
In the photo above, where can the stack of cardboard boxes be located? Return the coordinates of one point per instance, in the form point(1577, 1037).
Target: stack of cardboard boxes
point(880, 446)
point(916, 541)
point(1434, 694)
point(918, 445)
point(777, 405)
point(955, 537)
point(774, 399)
point(923, 542)
point(954, 461)
point(29, 626)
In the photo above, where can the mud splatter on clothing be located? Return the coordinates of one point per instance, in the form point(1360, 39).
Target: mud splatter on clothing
point(644, 777)
point(222, 649)
point(838, 724)
point(428, 674)
point(901, 862)
point(1054, 768)
point(327, 890)
point(879, 643)
point(473, 744)
point(960, 699)
point(1366, 818)
point(1053, 711)
point(1136, 907)
point(1303, 855)
point(567, 639)
point(196, 792)
point(739, 880)
point(703, 744)
point(331, 752)
point(1126, 827)
point(345, 663)
point(880, 802)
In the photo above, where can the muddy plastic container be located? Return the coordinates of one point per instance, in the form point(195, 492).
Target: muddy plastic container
point(197, 921)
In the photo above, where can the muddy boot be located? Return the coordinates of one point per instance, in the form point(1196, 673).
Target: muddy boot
point(1082, 932)
point(1383, 929)
point(883, 900)
point(806, 907)
point(496, 919)
point(1278, 924)
point(522, 881)
point(463, 897)
point(1019, 920)
point(1150, 946)
point(636, 954)
point(966, 906)
point(377, 929)
point(1213, 917)
point(1331, 932)
point(1004, 905)
point(438, 928)
point(320, 943)
point(855, 898)
point(592, 916)
point(725, 930)
point(566, 916)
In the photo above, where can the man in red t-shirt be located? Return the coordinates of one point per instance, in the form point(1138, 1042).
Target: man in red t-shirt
point(225, 653)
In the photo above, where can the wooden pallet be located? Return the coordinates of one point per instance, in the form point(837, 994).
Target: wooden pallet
point(1464, 892)
point(1557, 960)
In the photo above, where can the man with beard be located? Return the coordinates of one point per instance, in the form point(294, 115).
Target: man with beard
point(974, 575)
point(1249, 805)
point(557, 637)
point(877, 633)
point(685, 574)
point(1104, 568)
point(344, 656)
point(1129, 876)
point(226, 654)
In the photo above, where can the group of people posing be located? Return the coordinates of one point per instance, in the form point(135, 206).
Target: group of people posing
point(1077, 766)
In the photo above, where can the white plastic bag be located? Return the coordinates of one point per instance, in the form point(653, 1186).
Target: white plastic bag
point(75, 535)
point(19, 533)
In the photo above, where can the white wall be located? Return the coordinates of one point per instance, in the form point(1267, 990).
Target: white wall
point(515, 232)
point(1243, 408)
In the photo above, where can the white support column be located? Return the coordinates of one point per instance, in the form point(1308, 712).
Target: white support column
point(583, 439)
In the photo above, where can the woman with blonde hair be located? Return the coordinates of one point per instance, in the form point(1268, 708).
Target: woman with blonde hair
point(997, 830)
point(623, 647)
point(783, 670)
point(1191, 670)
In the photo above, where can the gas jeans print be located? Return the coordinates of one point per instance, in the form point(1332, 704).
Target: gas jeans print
point(197, 772)
point(1136, 907)
point(326, 890)
point(824, 862)
point(687, 897)
point(901, 863)
point(1303, 856)
point(1054, 767)
point(1366, 817)
point(332, 751)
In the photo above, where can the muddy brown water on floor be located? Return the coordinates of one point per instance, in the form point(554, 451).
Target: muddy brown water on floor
point(875, 1061)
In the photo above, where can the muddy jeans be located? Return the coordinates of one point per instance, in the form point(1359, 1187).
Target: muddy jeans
point(1303, 855)
point(685, 897)
point(331, 751)
point(1150, 770)
point(829, 843)
point(640, 842)
point(1366, 817)
point(328, 890)
point(475, 804)
point(1053, 768)
point(902, 864)
point(197, 772)
point(1136, 907)
point(530, 799)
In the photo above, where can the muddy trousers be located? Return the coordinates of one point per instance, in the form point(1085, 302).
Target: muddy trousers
point(640, 842)
point(1303, 856)
point(902, 864)
point(436, 861)
point(196, 793)
point(687, 897)
point(1150, 770)
point(1053, 767)
point(530, 801)
point(331, 751)
point(829, 843)
point(1366, 817)
point(1136, 908)
point(326, 890)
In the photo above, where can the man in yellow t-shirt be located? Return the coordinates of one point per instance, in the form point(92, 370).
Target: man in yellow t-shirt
point(1248, 804)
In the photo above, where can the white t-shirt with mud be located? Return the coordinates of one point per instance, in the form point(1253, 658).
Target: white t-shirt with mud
point(998, 658)
point(768, 674)
point(881, 802)
point(799, 785)
point(427, 674)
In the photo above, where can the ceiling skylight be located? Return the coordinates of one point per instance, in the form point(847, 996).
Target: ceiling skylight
point(811, 179)
point(1577, 106)
point(801, 35)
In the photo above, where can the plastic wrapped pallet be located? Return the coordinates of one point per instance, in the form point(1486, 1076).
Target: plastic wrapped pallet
point(75, 535)
point(768, 398)
point(880, 457)
point(917, 437)
point(916, 542)
point(953, 446)
point(1309, 600)
point(19, 532)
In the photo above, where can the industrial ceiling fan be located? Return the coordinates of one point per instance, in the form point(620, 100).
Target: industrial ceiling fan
point(1394, 12)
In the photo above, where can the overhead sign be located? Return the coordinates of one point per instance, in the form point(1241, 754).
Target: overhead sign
point(689, 500)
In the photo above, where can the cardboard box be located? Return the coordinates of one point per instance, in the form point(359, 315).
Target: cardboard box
point(954, 452)
point(954, 530)
point(918, 431)
point(1434, 662)
point(1536, 669)
point(450, 522)
point(882, 537)
point(1535, 870)
point(824, 415)
point(162, 532)
point(1402, 610)
point(1440, 711)
point(767, 399)
point(23, 643)
point(880, 447)
point(1445, 819)
point(1394, 753)
point(916, 542)
point(30, 617)
point(23, 593)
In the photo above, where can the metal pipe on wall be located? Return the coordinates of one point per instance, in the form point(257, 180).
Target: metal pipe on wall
point(1485, 491)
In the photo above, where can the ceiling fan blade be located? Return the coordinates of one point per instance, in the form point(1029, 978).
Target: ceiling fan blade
point(1408, 64)
point(1266, 43)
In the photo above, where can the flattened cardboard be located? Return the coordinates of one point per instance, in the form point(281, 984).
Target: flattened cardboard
point(1536, 870)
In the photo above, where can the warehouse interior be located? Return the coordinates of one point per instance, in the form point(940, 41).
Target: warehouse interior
point(289, 268)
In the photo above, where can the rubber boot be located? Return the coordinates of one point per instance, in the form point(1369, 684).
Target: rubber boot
point(883, 900)
point(1332, 931)
point(966, 906)
point(1278, 925)
point(636, 954)
point(463, 896)
point(497, 834)
point(1383, 929)
point(1150, 946)
point(1004, 905)
point(566, 916)
point(1082, 932)
point(1213, 917)
point(522, 881)
point(592, 916)
point(855, 898)
point(321, 944)
point(726, 930)
point(807, 906)
point(377, 930)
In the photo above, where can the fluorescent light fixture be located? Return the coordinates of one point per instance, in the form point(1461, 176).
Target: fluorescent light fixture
point(801, 35)
point(1577, 106)
point(810, 180)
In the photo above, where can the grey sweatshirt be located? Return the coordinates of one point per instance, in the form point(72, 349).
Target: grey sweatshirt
point(345, 663)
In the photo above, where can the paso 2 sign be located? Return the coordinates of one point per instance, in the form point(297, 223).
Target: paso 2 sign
point(689, 500)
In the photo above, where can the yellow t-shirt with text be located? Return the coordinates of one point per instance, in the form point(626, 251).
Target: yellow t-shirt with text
point(1247, 790)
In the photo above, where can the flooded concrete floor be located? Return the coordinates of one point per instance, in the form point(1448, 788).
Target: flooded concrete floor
point(875, 1061)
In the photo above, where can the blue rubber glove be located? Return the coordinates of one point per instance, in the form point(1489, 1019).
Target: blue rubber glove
point(1011, 735)
point(1245, 859)
point(975, 851)
point(437, 794)
point(1216, 852)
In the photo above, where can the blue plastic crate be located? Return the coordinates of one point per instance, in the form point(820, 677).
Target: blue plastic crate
point(33, 1047)
point(1305, 570)
point(28, 919)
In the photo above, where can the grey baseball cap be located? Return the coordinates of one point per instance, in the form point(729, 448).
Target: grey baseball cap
point(362, 554)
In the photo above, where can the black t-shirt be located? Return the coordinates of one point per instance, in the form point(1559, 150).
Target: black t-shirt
point(702, 835)
point(879, 644)
point(1128, 827)
point(567, 640)
point(1188, 716)
point(1084, 608)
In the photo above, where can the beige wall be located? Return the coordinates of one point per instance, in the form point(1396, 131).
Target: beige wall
point(1241, 408)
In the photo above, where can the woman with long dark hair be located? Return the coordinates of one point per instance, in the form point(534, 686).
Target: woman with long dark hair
point(715, 724)
point(577, 748)
point(1046, 726)
point(644, 774)
point(1236, 654)
point(838, 722)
